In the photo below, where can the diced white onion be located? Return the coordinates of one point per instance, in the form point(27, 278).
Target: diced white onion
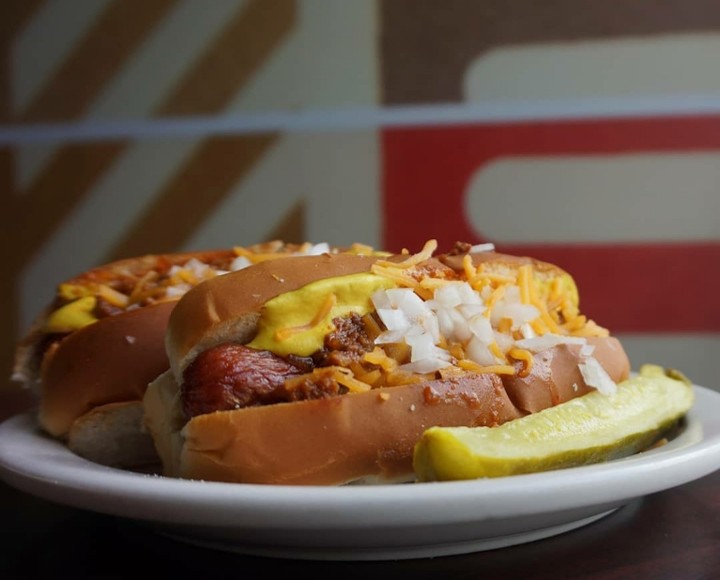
point(519, 314)
point(587, 350)
point(176, 291)
point(317, 249)
point(504, 341)
point(380, 300)
point(545, 341)
point(424, 366)
point(478, 351)
point(482, 329)
point(597, 377)
point(431, 325)
point(527, 331)
point(392, 336)
point(477, 248)
point(393, 319)
point(423, 347)
point(470, 310)
point(239, 263)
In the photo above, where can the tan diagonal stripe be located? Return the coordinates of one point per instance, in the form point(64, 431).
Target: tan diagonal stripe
point(245, 42)
point(66, 181)
point(64, 171)
point(96, 59)
point(198, 187)
point(192, 194)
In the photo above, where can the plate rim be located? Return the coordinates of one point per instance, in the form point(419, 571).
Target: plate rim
point(56, 474)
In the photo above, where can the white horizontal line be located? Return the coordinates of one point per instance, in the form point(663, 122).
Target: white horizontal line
point(323, 120)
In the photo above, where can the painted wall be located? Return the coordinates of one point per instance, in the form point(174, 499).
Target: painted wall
point(585, 133)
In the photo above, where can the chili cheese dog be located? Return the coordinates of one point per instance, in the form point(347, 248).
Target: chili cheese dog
point(326, 370)
point(91, 353)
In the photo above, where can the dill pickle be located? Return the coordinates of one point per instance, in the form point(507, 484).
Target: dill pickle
point(589, 429)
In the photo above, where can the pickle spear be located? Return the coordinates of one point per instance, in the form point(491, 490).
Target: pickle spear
point(589, 429)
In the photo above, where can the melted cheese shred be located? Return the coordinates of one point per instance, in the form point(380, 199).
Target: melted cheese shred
point(525, 356)
point(511, 300)
point(322, 313)
point(470, 365)
point(424, 254)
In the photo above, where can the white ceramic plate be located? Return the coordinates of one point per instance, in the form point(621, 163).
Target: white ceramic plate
point(362, 523)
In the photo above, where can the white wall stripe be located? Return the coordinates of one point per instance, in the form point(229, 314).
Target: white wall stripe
point(92, 228)
point(137, 88)
point(45, 42)
point(621, 66)
point(604, 198)
point(338, 119)
point(318, 64)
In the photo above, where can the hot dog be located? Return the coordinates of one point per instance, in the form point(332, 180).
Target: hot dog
point(91, 353)
point(326, 370)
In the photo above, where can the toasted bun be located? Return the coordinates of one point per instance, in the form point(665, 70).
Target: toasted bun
point(90, 381)
point(110, 361)
point(114, 435)
point(356, 437)
point(31, 349)
point(227, 308)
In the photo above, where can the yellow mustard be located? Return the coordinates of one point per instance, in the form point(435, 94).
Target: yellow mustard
point(72, 316)
point(297, 322)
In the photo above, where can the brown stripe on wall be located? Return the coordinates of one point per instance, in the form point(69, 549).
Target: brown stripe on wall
point(9, 302)
point(14, 16)
point(195, 191)
point(189, 197)
point(291, 227)
point(95, 60)
point(234, 56)
point(73, 169)
point(426, 45)
point(242, 47)
point(64, 183)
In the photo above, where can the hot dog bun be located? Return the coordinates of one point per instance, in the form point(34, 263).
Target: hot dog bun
point(366, 434)
point(91, 353)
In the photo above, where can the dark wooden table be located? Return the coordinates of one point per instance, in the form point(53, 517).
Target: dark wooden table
point(673, 534)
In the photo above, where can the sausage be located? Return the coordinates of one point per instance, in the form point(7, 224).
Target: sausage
point(232, 376)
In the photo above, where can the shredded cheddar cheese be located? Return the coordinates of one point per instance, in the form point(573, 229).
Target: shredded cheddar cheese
point(470, 365)
point(496, 295)
point(538, 304)
point(379, 357)
point(395, 274)
point(525, 356)
point(497, 351)
point(425, 254)
point(468, 267)
point(524, 282)
point(325, 309)
point(345, 378)
point(113, 296)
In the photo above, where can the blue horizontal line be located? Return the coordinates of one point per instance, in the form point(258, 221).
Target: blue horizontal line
point(342, 119)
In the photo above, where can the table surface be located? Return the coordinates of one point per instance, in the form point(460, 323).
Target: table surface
point(674, 534)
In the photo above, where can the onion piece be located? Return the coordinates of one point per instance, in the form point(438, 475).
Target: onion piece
point(597, 377)
point(548, 340)
point(477, 248)
point(393, 319)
